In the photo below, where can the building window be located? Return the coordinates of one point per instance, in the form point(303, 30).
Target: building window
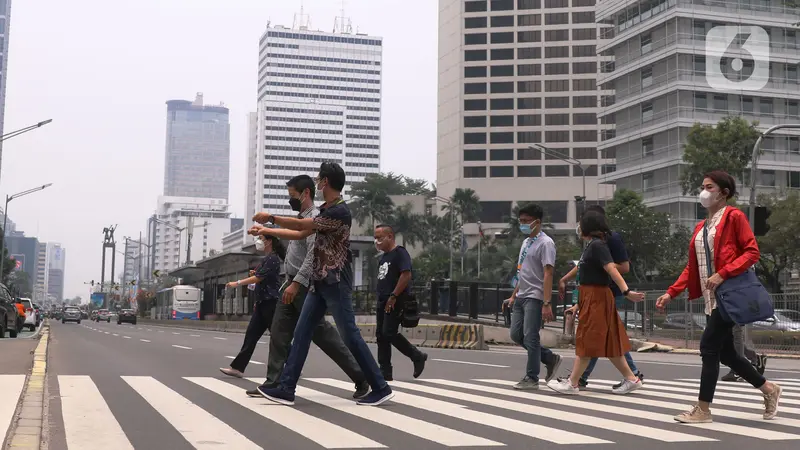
point(529, 36)
point(501, 121)
point(556, 85)
point(474, 88)
point(647, 181)
point(556, 119)
point(501, 171)
point(504, 137)
point(475, 55)
point(556, 69)
point(556, 102)
point(721, 102)
point(475, 105)
point(499, 54)
point(556, 19)
point(529, 69)
point(474, 121)
point(529, 53)
point(529, 171)
point(527, 20)
point(794, 180)
point(529, 120)
point(580, 51)
point(529, 86)
point(584, 67)
point(794, 145)
point(475, 72)
point(556, 35)
point(591, 171)
point(583, 17)
point(646, 42)
point(700, 101)
point(505, 87)
point(529, 137)
point(767, 178)
point(475, 155)
point(503, 38)
point(584, 136)
point(502, 21)
point(584, 153)
point(699, 64)
point(474, 138)
point(475, 172)
point(647, 146)
point(495, 212)
point(792, 109)
point(556, 136)
point(584, 101)
point(556, 4)
point(502, 154)
point(475, 6)
point(475, 39)
point(584, 34)
point(584, 119)
point(502, 5)
point(556, 52)
point(529, 154)
point(647, 111)
point(556, 171)
point(747, 104)
point(502, 71)
point(584, 85)
point(529, 103)
point(475, 22)
point(497, 104)
point(554, 211)
point(647, 77)
point(577, 3)
point(529, 4)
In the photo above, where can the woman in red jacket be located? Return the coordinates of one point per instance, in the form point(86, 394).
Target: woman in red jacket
point(733, 250)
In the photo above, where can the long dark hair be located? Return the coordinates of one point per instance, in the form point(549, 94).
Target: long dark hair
point(594, 224)
point(277, 246)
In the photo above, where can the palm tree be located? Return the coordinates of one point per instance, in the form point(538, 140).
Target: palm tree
point(466, 204)
point(371, 201)
point(410, 226)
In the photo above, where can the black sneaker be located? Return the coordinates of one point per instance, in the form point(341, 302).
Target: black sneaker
point(362, 389)
point(387, 376)
point(376, 398)
point(761, 364)
point(254, 393)
point(552, 368)
point(731, 376)
point(639, 375)
point(419, 365)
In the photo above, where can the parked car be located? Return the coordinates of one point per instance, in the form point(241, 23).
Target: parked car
point(71, 314)
point(39, 314)
point(31, 316)
point(782, 320)
point(684, 320)
point(8, 314)
point(104, 315)
point(126, 315)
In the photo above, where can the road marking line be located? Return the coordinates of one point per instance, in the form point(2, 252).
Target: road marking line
point(175, 332)
point(11, 387)
point(88, 421)
point(262, 342)
point(194, 335)
point(144, 340)
point(531, 430)
point(258, 363)
point(319, 431)
point(126, 337)
point(555, 414)
point(115, 334)
point(149, 329)
point(106, 332)
point(220, 338)
point(728, 386)
point(196, 425)
point(180, 346)
point(470, 362)
point(160, 331)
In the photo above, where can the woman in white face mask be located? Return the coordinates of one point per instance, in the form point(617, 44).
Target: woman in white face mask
point(728, 251)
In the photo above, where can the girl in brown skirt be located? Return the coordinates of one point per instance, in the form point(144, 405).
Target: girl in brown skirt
point(601, 333)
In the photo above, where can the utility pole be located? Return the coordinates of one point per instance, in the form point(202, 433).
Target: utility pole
point(108, 242)
point(189, 233)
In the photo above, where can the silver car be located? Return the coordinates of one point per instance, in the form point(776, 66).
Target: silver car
point(71, 314)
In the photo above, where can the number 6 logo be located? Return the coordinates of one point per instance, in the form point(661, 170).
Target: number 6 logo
point(737, 58)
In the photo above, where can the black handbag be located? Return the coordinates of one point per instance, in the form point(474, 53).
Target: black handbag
point(409, 316)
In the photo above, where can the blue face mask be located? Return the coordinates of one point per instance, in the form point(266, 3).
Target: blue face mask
point(525, 228)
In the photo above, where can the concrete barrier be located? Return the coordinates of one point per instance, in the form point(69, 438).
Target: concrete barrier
point(462, 337)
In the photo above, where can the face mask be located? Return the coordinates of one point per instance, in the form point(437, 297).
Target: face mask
point(260, 245)
point(578, 230)
point(320, 195)
point(706, 199)
point(295, 204)
point(527, 228)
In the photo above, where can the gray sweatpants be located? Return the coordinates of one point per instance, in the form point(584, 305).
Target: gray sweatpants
point(744, 348)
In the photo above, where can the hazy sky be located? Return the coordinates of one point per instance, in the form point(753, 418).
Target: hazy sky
point(102, 71)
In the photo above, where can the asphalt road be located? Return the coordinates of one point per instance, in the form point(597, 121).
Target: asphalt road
point(148, 387)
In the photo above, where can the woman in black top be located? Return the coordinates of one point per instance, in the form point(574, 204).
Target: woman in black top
point(600, 333)
point(266, 277)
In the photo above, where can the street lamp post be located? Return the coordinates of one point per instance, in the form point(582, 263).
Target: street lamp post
point(753, 169)
point(568, 160)
point(25, 130)
point(452, 225)
point(5, 218)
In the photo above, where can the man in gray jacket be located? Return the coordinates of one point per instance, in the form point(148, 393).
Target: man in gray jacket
point(299, 257)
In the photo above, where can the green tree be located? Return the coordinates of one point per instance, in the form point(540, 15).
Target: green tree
point(726, 146)
point(674, 254)
point(20, 282)
point(434, 262)
point(409, 226)
point(466, 204)
point(9, 264)
point(779, 249)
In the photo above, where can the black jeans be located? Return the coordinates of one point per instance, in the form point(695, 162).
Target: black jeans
point(260, 322)
point(386, 332)
point(716, 346)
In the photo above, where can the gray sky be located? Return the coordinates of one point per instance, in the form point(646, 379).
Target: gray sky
point(102, 71)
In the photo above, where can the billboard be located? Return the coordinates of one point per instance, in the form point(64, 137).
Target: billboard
point(98, 299)
point(20, 260)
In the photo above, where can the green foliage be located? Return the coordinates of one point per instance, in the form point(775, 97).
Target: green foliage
point(779, 249)
point(20, 282)
point(727, 146)
point(9, 264)
point(466, 205)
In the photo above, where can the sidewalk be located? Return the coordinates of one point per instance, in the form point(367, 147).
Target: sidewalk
point(17, 355)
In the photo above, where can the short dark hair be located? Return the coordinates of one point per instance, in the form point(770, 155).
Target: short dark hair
point(334, 174)
point(724, 180)
point(277, 246)
point(594, 224)
point(533, 210)
point(387, 226)
point(302, 182)
point(596, 208)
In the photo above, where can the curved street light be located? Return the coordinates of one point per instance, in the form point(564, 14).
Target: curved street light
point(5, 218)
point(25, 130)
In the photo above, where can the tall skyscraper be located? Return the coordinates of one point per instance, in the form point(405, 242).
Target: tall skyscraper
point(5, 20)
point(197, 162)
point(660, 77)
point(319, 99)
point(512, 74)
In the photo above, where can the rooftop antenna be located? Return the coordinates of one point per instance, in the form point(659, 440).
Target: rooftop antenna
point(302, 21)
point(343, 24)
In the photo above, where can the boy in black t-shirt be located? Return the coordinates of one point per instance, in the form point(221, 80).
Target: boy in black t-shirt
point(394, 277)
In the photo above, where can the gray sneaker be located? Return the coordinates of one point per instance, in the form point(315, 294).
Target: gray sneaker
point(527, 384)
point(771, 402)
point(627, 387)
point(552, 368)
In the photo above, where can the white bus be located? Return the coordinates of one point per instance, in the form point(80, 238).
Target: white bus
point(179, 302)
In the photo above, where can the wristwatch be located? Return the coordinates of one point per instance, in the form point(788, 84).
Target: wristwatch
point(546, 304)
point(271, 219)
point(625, 294)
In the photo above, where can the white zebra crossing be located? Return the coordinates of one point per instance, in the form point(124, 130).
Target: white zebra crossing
point(456, 415)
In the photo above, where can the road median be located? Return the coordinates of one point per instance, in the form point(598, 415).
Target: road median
point(26, 429)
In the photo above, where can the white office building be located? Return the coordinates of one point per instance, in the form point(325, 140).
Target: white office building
point(207, 218)
point(5, 19)
point(319, 99)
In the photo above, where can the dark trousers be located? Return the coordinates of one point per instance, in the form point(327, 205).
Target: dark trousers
point(260, 322)
point(386, 332)
point(717, 346)
point(325, 336)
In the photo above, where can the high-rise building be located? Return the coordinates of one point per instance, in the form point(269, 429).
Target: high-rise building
point(660, 77)
point(5, 20)
point(197, 161)
point(50, 267)
point(25, 251)
point(514, 74)
point(319, 99)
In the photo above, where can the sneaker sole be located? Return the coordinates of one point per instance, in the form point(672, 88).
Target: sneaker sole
point(636, 387)
point(526, 388)
point(230, 374)
point(555, 369)
point(563, 392)
point(276, 400)
point(777, 403)
point(251, 395)
point(379, 402)
point(691, 422)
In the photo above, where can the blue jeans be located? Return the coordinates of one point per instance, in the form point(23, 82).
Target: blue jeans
point(620, 302)
point(526, 321)
point(336, 298)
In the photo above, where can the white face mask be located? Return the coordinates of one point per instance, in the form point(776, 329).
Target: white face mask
point(260, 245)
point(320, 196)
point(706, 199)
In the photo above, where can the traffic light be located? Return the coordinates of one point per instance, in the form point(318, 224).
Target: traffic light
point(761, 227)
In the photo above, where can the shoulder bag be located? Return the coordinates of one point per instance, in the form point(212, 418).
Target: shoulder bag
point(409, 315)
point(741, 299)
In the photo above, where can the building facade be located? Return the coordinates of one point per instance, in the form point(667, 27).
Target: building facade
point(514, 74)
point(209, 220)
point(319, 99)
point(197, 161)
point(664, 82)
point(5, 25)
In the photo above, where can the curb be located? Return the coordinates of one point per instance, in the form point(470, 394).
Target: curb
point(27, 428)
point(36, 333)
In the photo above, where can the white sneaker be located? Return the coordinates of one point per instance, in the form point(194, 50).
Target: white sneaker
point(231, 372)
point(627, 387)
point(563, 387)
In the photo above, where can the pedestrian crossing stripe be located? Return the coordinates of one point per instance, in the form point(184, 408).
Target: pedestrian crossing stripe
point(732, 387)
point(597, 415)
